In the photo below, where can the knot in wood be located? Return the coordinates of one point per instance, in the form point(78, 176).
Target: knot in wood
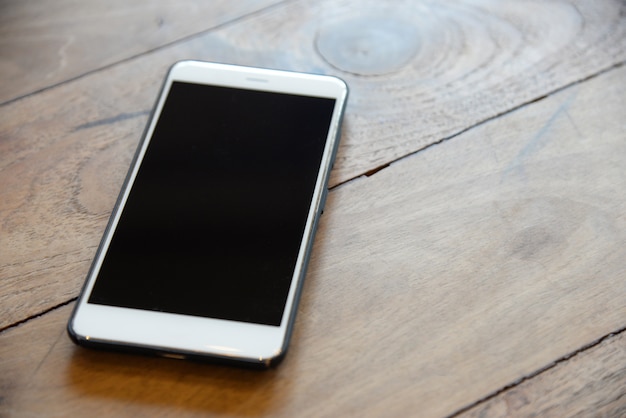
point(368, 45)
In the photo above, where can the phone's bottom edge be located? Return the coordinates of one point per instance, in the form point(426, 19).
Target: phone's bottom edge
point(257, 364)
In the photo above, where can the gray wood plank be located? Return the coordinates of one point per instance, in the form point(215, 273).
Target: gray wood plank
point(590, 384)
point(44, 43)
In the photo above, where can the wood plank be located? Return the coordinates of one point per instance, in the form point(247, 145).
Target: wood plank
point(452, 64)
point(44, 43)
point(480, 260)
point(434, 283)
point(593, 383)
point(64, 152)
point(590, 383)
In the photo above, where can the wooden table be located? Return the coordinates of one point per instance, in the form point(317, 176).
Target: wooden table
point(471, 261)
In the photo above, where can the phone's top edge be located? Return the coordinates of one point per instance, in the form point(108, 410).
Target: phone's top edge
point(180, 65)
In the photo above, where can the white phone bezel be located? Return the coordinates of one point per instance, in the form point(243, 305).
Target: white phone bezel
point(182, 335)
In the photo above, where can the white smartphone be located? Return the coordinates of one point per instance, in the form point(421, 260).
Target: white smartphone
point(206, 250)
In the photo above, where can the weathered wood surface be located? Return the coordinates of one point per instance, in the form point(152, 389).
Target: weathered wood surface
point(42, 44)
point(591, 384)
point(434, 283)
point(65, 150)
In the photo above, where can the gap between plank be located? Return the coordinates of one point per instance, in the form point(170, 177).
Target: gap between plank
point(149, 51)
point(37, 315)
point(538, 372)
point(382, 166)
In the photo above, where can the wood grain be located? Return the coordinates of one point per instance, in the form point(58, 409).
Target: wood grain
point(64, 151)
point(592, 383)
point(435, 282)
point(475, 262)
point(44, 43)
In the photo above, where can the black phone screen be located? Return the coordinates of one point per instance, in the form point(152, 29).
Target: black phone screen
point(215, 217)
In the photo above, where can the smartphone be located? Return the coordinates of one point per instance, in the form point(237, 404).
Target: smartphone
point(206, 249)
